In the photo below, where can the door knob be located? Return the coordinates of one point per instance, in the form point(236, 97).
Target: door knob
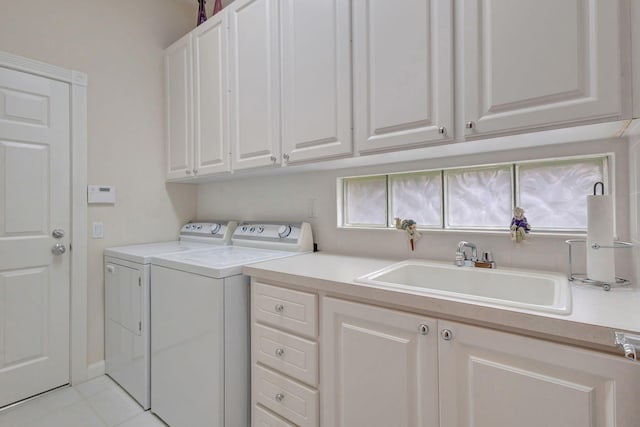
point(58, 249)
point(58, 233)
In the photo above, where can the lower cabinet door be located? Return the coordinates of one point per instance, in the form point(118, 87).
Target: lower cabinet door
point(379, 367)
point(264, 418)
point(287, 398)
point(490, 378)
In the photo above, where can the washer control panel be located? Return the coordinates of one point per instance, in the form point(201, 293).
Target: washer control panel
point(287, 236)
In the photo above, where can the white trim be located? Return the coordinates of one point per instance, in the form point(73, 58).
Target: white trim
point(95, 370)
point(79, 243)
point(78, 96)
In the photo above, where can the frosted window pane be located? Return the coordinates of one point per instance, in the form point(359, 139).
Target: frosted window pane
point(554, 195)
point(366, 201)
point(418, 197)
point(479, 198)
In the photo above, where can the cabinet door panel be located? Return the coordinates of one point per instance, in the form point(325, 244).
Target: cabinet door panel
point(490, 378)
point(179, 108)
point(316, 79)
point(378, 370)
point(532, 64)
point(210, 97)
point(402, 73)
point(254, 76)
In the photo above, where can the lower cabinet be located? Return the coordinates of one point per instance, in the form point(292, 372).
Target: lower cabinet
point(489, 378)
point(379, 367)
point(284, 357)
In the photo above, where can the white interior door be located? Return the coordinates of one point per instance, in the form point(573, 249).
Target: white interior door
point(34, 201)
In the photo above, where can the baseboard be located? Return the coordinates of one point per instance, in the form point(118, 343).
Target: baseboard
point(95, 370)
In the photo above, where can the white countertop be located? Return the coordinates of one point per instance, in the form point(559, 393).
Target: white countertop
point(594, 318)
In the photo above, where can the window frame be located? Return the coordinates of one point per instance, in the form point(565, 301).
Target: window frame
point(608, 165)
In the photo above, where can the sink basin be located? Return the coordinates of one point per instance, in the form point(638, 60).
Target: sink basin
point(531, 290)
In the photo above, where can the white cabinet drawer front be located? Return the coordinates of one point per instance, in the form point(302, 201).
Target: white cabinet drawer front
point(285, 308)
point(293, 356)
point(286, 397)
point(264, 418)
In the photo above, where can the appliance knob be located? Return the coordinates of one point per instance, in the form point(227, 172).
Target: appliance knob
point(244, 228)
point(252, 229)
point(215, 228)
point(260, 229)
point(284, 231)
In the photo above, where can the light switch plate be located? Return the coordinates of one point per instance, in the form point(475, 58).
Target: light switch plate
point(98, 230)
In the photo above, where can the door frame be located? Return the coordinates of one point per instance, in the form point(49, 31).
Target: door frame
point(78, 364)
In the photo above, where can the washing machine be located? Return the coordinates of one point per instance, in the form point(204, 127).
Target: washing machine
point(200, 334)
point(127, 274)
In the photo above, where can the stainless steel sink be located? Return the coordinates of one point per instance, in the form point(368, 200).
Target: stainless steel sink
point(531, 290)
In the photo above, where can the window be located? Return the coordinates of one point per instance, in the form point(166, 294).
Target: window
point(479, 198)
point(552, 192)
point(417, 196)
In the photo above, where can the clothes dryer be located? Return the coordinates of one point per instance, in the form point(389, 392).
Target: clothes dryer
point(127, 273)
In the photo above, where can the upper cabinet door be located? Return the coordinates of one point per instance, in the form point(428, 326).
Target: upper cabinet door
point(531, 64)
point(403, 73)
point(179, 104)
point(316, 83)
point(254, 76)
point(211, 128)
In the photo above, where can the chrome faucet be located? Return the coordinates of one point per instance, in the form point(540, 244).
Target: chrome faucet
point(461, 256)
point(462, 260)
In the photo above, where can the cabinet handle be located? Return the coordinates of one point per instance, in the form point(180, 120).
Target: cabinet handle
point(195, 171)
point(188, 172)
point(446, 334)
point(442, 130)
point(424, 329)
point(279, 308)
point(470, 125)
point(279, 352)
point(279, 397)
point(273, 159)
point(285, 156)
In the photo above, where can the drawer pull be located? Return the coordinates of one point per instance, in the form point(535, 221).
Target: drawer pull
point(279, 397)
point(279, 308)
point(279, 352)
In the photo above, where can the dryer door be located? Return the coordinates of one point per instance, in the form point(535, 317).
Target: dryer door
point(123, 295)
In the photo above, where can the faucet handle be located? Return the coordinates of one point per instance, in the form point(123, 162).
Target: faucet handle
point(460, 258)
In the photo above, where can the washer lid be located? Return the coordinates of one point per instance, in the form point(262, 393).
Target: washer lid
point(218, 262)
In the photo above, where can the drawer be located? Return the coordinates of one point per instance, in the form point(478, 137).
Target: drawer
point(285, 308)
point(264, 418)
point(286, 353)
point(287, 398)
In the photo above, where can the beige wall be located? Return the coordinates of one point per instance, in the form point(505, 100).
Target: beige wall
point(287, 198)
point(119, 44)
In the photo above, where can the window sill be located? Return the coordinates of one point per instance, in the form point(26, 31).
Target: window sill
point(499, 233)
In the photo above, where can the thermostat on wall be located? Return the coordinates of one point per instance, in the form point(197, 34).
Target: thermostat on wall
point(101, 194)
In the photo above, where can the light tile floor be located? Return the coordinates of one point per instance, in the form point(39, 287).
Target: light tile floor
point(99, 402)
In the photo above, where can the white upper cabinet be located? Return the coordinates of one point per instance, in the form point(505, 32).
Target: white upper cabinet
point(403, 75)
point(254, 83)
point(196, 88)
point(211, 148)
point(316, 79)
point(179, 131)
point(533, 64)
